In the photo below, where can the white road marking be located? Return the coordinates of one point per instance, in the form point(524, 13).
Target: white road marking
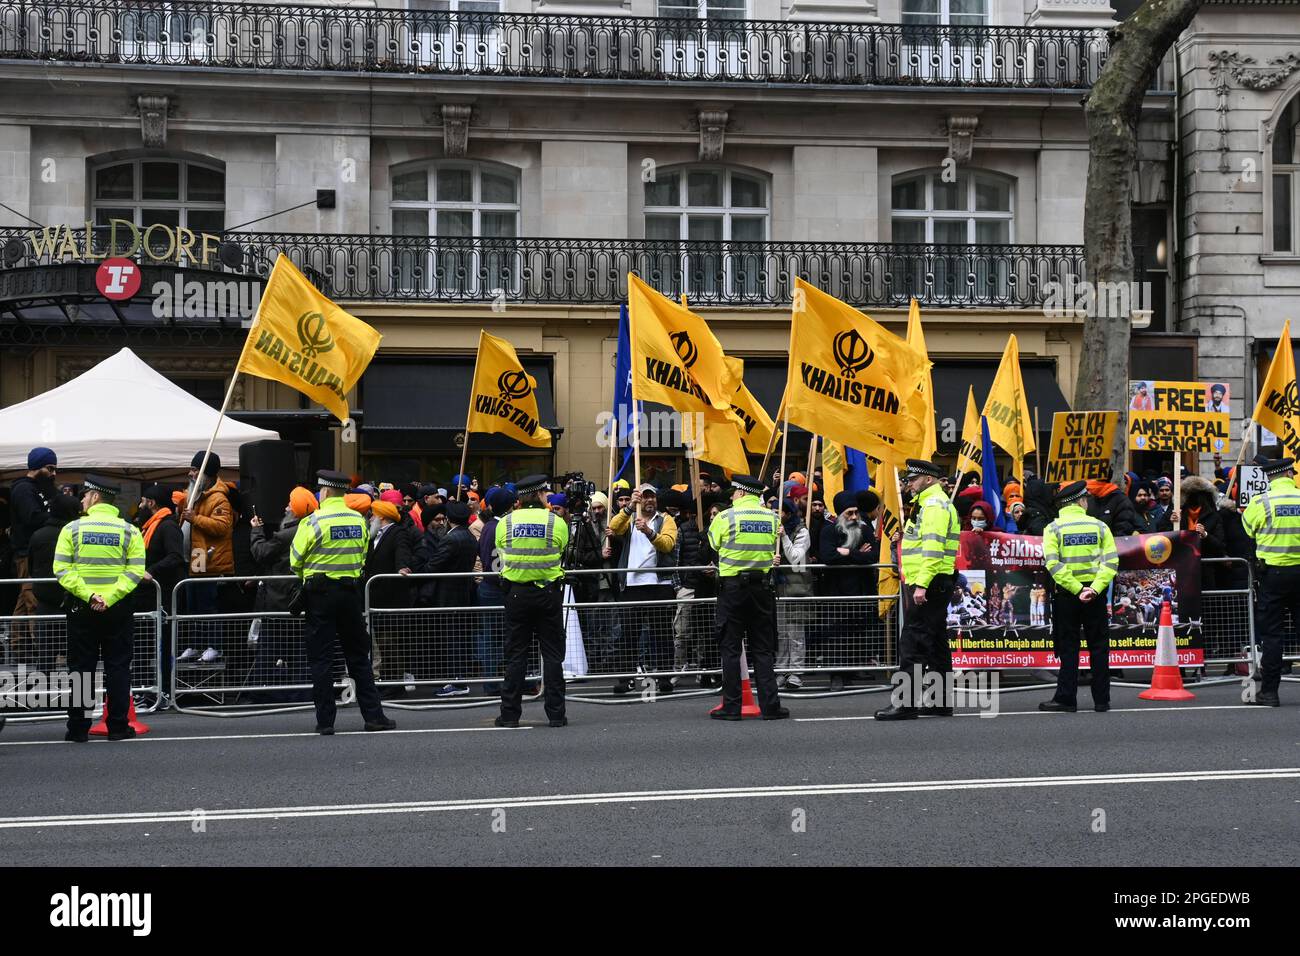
point(641, 796)
point(153, 738)
point(1047, 713)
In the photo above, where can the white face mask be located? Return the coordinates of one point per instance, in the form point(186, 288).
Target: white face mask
point(978, 525)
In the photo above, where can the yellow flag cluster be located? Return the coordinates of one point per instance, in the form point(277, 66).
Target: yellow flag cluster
point(922, 404)
point(1278, 408)
point(891, 520)
point(503, 398)
point(851, 380)
point(971, 454)
point(301, 338)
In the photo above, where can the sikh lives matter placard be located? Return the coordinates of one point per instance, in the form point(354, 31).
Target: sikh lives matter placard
point(1081, 443)
point(1178, 416)
point(1000, 613)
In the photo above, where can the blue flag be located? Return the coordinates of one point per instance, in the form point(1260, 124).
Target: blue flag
point(989, 479)
point(620, 425)
point(856, 475)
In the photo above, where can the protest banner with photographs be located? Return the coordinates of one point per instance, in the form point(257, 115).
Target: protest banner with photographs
point(1178, 416)
point(1000, 613)
point(1080, 447)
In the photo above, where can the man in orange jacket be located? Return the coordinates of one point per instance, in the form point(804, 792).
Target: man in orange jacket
point(208, 527)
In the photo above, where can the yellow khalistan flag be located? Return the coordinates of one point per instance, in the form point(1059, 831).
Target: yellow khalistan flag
point(304, 340)
point(851, 379)
point(756, 424)
point(1007, 410)
point(923, 403)
point(719, 443)
point(891, 520)
point(834, 467)
point(504, 397)
point(971, 452)
point(676, 360)
point(1278, 408)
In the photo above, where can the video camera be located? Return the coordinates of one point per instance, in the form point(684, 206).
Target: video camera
point(577, 490)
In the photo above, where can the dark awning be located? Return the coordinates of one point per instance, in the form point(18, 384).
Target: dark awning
point(420, 402)
point(952, 378)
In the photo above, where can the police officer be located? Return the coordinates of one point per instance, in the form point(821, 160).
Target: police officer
point(530, 542)
point(929, 548)
point(744, 539)
point(1079, 553)
point(328, 552)
point(1273, 520)
point(99, 560)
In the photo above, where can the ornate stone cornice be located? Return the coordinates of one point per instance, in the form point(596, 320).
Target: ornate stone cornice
point(1227, 65)
point(713, 133)
point(456, 118)
point(154, 110)
point(961, 137)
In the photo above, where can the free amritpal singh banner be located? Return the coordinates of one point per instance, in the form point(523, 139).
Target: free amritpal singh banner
point(1278, 408)
point(301, 338)
point(503, 398)
point(1007, 410)
point(851, 380)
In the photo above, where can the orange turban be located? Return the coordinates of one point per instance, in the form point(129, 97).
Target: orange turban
point(359, 501)
point(385, 509)
point(302, 502)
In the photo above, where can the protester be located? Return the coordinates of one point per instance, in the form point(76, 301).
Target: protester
point(793, 580)
point(1149, 521)
point(1198, 511)
point(650, 538)
point(1110, 505)
point(490, 634)
point(208, 527)
point(29, 507)
point(279, 657)
point(389, 552)
point(49, 644)
point(848, 550)
point(453, 553)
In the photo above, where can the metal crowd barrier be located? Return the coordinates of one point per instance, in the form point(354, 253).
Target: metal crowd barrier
point(38, 643)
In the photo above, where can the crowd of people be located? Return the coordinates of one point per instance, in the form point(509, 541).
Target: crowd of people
point(633, 590)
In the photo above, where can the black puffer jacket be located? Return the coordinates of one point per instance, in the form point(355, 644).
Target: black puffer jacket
point(1115, 510)
point(1039, 511)
point(271, 552)
point(690, 551)
point(29, 505)
point(1200, 493)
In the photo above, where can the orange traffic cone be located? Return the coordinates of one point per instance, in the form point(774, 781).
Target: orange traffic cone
point(101, 729)
point(1166, 677)
point(748, 705)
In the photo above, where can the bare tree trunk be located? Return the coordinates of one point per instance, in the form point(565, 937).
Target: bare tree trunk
point(1113, 108)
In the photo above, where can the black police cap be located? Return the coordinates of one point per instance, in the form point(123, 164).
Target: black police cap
point(333, 479)
point(1071, 492)
point(102, 485)
point(918, 467)
point(530, 484)
point(1279, 466)
point(747, 483)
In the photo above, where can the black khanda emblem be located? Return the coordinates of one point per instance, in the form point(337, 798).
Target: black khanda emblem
point(314, 334)
point(852, 352)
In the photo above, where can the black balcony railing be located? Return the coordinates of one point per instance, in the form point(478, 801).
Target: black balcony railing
point(253, 36)
point(594, 271)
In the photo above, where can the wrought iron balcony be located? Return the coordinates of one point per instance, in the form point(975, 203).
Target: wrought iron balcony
point(254, 36)
point(594, 271)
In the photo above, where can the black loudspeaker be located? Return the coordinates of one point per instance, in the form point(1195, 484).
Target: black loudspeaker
point(267, 473)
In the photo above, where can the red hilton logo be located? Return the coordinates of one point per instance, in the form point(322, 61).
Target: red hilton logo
point(118, 278)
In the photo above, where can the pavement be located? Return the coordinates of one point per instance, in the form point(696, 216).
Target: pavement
point(1209, 782)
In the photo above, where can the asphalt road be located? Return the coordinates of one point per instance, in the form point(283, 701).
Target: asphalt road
point(659, 784)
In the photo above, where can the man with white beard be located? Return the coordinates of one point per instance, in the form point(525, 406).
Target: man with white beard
point(848, 549)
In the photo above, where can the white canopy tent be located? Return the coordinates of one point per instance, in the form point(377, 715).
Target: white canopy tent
point(119, 416)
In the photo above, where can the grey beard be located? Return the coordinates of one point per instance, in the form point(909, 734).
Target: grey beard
point(852, 531)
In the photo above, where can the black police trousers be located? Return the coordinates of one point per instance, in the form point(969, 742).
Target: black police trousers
point(533, 611)
point(1279, 591)
point(93, 635)
point(333, 613)
point(923, 643)
point(1069, 616)
point(746, 612)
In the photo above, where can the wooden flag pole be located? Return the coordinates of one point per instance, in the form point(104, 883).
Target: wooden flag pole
point(785, 435)
point(464, 454)
point(207, 452)
point(771, 442)
point(695, 491)
point(636, 442)
point(1038, 451)
point(469, 414)
point(812, 464)
point(613, 448)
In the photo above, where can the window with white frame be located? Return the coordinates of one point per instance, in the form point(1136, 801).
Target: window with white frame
point(958, 13)
point(1285, 180)
point(456, 202)
point(176, 192)
point(975, 208)
point(714, 205)
point(703, 9)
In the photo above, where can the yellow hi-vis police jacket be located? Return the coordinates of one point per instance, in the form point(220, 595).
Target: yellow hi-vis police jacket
point(930, 539)
point(1079, 551)
point(99, 553)
point(1273, 520)
point(331, 541)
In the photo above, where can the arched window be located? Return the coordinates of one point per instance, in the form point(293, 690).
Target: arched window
point(470, 210)
point(178, 192)
point(1286, 179)
point(728, 208)
point(975, 208)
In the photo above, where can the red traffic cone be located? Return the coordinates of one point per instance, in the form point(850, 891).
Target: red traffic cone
point(101, 729)
point(748, 705)
point(1166, 677)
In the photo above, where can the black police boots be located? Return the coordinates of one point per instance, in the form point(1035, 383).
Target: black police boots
point(893, 712)
point(386, 723)
point(1267, 698)
point(502, 722)
point(74, 737)
point(780, 713)
point(1056, 707)
point(125, 734)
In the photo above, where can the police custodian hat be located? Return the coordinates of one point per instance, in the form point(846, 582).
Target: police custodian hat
point(102, 485)
point(333, 479)
point(917, 467)
point(1278, 466)
point(1071, 492)
point(531, 483)
point(747, 483)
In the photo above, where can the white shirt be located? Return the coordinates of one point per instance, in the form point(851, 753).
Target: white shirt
point(641, 554)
